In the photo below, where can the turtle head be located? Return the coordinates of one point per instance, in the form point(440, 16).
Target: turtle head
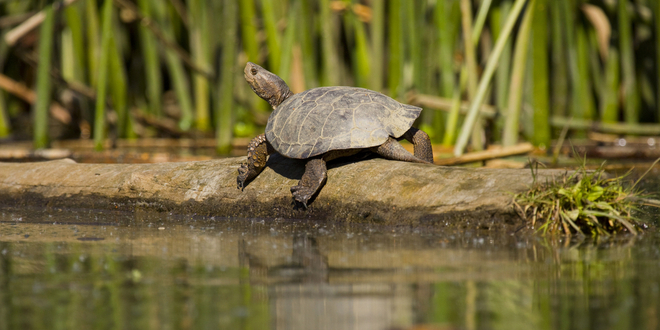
point(266, 84)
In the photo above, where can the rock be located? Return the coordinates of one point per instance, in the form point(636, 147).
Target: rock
point(373, 190)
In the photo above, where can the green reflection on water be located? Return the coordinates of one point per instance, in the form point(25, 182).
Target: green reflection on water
point(91, 270)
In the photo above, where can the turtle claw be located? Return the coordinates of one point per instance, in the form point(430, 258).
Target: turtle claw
point(243, 172)
point(302, 194)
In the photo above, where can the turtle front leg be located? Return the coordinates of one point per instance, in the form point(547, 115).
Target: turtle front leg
point(421, 144)
point(258, 150)
point(312, 180)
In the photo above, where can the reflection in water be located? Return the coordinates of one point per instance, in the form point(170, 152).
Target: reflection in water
point(91, 270)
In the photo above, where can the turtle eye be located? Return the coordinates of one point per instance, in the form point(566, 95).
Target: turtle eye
point(254, 71)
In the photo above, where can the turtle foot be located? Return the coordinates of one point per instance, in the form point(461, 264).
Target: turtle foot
point(302, 194)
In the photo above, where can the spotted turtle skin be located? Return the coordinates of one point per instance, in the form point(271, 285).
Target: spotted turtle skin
point(323, 119)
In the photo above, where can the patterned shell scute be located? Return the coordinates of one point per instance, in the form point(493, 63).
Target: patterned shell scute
point(334, 118)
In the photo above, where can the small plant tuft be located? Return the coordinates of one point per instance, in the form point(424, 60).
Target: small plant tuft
point(582, 202)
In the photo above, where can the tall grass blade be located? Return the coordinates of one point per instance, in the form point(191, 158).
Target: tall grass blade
point(395, 65)
point(498, 16)
point(75, 25)
point(200, 42)
point(629, 81)
point(93, 34)
point(377, 44)
point(512, 120)
point(68, 60)
point(331, 70)
point(610, 95)
point(481, 19)
point(427, 67)
point(5, 127)
point(118, 83)
point(44, 80)
point(361, 54)
point(470, 52)
point(153, 76)
point(559, 77)
point(574, 35)
point(225, 100)
point(249, 29)
point(272, 35)
point(471, 64)
point(446, 19)
point(584, 71)
point(540, 80)
point(287, 42)
point(452, 119)
point(413, 43)
point(102, 76)
point(175, 67)
point(309, 53)
point(491, 65)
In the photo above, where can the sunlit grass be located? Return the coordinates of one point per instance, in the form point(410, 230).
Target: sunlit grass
point(582, 202)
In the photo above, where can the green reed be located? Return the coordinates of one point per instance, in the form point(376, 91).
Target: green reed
point(102, 76)
point(44, 83)
point(5, 127)
point(540, 75)
point(629, 80)
point(512, 124)
point(377, 45)
point(200, 43)
point(225, 102)
point(397, 47)
point(152, 62)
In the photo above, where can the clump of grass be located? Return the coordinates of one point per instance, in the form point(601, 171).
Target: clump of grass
point(582, 202)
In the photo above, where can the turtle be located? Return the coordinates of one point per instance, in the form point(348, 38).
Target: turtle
point(325, 123)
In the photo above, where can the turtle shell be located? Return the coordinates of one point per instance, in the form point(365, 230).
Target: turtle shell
point(334, 118)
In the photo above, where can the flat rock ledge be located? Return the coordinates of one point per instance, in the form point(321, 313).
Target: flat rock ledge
point(372, 190)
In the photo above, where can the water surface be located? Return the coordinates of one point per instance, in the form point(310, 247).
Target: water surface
point(108, 270)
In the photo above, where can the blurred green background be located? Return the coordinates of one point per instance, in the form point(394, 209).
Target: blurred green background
point(486, 71)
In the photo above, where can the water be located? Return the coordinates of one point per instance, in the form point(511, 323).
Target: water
point(91, 270)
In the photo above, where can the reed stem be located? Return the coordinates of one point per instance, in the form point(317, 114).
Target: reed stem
point(199, 44)
point(630, 92)
point(491, 65)
point(512, 121)
point(610, 94)
point(395, 65)
point(331, 70)
point(559, 77)
point(93, 52)
point(288, 41)
point(249, 30)
point(225, 101)
point(153, 76)
point(540, 75)
point(43, 80)
point(361, 54)
point(75, 25)
point(272, 35)
point(377, 44)
point(102, 76)
point(5, 128)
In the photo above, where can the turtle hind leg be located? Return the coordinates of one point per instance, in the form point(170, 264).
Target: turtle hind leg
point(258, 151)
point(421, 142)
point(392, 149)
point(314, 177)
